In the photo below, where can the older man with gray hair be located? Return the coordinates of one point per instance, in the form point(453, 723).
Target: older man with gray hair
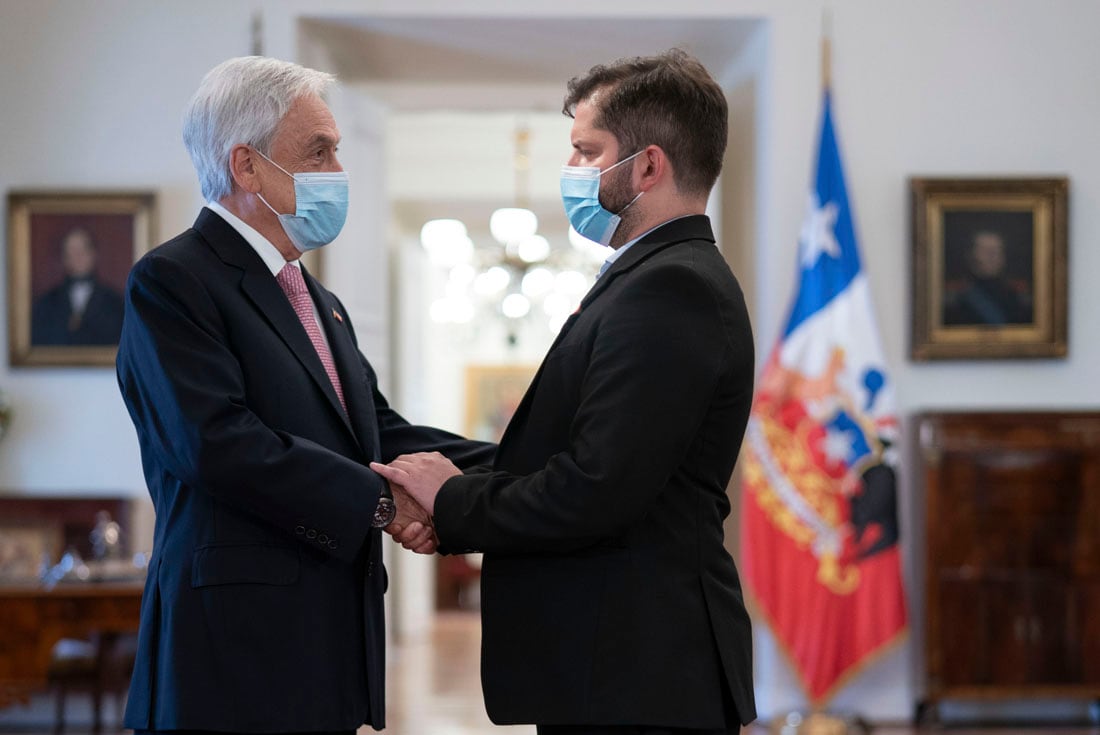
point(257, 416)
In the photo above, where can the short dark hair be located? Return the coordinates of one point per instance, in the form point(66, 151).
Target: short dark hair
point(668, 100)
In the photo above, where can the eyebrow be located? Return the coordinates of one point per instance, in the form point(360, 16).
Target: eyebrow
point(322, 139)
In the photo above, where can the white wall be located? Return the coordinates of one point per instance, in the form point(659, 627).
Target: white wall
point(931, 88)
point(93, 94)
point(93, 99)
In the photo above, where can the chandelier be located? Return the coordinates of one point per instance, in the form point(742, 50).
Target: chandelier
point(518, 274)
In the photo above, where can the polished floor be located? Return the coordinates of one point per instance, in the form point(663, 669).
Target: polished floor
point(434, 689)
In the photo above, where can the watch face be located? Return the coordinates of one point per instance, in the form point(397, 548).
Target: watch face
point(384, 513)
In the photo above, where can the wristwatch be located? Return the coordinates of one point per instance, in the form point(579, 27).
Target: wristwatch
point(384, 512)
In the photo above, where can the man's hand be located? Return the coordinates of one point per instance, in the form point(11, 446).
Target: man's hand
point(421, 475)
point(412, 527)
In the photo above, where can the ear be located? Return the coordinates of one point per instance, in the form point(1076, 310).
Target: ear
point(653, 167)
point(242, 167)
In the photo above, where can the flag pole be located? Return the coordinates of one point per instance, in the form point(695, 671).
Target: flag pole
point(826, 48)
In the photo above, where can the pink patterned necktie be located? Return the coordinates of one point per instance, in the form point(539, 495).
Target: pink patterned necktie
point(292, 283)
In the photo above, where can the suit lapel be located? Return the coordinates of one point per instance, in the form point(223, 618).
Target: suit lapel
point(694, 227)
point(263, 290)
point(345, 355)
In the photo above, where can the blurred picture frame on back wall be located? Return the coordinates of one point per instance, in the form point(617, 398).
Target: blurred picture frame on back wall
point(989, 268)
point(69, 254)
point(493, 393)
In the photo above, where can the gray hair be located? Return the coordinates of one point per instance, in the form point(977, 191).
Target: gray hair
point(242, 101)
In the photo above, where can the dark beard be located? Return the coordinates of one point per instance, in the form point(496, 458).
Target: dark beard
point(615, 196)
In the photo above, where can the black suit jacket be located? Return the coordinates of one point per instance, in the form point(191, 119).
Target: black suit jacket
point(607, 594)
point(262, 611)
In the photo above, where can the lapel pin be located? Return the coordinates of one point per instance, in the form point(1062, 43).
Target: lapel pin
point(337, 317)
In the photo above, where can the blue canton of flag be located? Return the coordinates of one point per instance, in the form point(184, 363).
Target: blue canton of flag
point(828, 253)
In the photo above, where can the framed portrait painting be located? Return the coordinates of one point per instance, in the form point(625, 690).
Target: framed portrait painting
point(69, 254)
point(493, 393)
point(989, 268)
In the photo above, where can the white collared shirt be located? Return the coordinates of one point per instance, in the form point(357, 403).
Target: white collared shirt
point(80, 293)
point(268, 253)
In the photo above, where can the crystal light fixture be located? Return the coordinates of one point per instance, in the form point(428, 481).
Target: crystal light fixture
point(519, 275)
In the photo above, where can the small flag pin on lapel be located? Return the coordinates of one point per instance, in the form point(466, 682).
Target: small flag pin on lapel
point(337, 317)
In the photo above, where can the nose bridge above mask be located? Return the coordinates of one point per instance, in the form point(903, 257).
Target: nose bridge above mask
point(594, 172)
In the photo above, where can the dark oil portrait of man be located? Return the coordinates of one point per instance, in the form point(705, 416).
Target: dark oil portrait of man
point(988, 269)
point(79, 265)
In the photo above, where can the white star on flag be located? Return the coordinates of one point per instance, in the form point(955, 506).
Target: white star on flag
point(837, 445)
point(817, 234)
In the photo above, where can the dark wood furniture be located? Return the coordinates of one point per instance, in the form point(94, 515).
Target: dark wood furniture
point(33, 619)
point(1012, 562)
point(93, 621)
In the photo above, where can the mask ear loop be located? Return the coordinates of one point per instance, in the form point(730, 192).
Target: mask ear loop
point(620, 163)
point(614, 165)
point(261, 196)
point(287, 172)
point(620, 214)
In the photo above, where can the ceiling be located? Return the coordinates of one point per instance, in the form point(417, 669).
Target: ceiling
point(506, 62)
point(474, 66)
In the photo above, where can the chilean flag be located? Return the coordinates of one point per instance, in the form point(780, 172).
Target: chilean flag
point(819, 509)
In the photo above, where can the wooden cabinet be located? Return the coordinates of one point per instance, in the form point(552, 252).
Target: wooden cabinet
point(1012, 562)
point(33, 619)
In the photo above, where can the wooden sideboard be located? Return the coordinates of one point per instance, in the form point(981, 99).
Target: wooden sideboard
point(1012, 554)
point(33, 619)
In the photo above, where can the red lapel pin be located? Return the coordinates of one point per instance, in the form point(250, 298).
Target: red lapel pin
point(337, 317)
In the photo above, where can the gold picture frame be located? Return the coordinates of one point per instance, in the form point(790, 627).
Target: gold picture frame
point(69, 254)
point(989, 268)
point(493, 392)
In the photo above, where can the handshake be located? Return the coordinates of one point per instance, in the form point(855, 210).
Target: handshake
point(415, 480)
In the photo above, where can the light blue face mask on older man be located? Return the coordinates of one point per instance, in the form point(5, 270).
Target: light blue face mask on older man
point(580, 193)
point(321, 207)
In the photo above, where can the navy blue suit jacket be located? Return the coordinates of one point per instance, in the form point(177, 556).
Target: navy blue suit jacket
point(262, 611)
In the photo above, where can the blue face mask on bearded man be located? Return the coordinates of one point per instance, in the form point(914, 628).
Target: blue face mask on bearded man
point(580, 193)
